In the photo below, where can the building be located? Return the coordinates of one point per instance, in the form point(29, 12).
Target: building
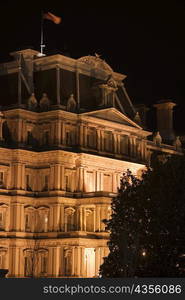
point(68, 130)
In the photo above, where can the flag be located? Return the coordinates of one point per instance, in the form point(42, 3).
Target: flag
point(52, 17)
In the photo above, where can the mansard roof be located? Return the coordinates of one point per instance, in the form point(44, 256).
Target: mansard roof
point(85, 78)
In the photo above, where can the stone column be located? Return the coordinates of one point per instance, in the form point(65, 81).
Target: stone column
point(81, 135)
point(52, 176)
point(58, 84)
point(62, 217)
point(115, 143)
point(53, 133)
point(118, 144)
point(115, 185)
point(16, 216)
point(98, 139)
point(19, 125)
point(85, 136)
point(50, 261)
point(77, 89)
point(102, 217)
point(57, 177)
point(56, 261)
point(16, 261)
point(97, 260)
point(81, 179)
point(63, 133)
point(80, 219)
point(98, 218)
point(83, 271)
point(77, 261)
point(16, 175)
point(51, 219)
point(58, 132)
point(73, 262)
point(102, 140)
point(22, 217)
point(56, 217)
point(1, 126)
point(23, 183)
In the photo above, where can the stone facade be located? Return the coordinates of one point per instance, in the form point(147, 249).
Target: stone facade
point(61, 163)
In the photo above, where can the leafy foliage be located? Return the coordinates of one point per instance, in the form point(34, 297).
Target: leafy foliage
point(147, 226)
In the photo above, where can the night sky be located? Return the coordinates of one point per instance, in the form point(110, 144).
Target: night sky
point(144, 40)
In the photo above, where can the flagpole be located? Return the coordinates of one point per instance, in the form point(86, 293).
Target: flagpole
point(42, 35)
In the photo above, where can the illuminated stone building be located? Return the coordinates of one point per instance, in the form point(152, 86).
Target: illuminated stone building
point(68, 130)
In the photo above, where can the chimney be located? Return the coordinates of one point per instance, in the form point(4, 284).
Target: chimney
point(165, 119)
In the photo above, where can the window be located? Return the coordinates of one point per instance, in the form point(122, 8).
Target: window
point(29, 138)
point(67, 184)
point(1, 220)
point(3, 253)
point(68, 262)
point(107, 183)
point(1, 179)
point(124, 144)
point(43, 265)
point(28, 187)
point(91, 138)
point(28, 266)
point(42, 220)
point(108, 141)
point(46, 138)
point(46, 183)
point(27, 222)
point(70, 137)
point(1, 262)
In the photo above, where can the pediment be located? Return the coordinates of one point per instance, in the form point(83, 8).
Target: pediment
point(113, 115)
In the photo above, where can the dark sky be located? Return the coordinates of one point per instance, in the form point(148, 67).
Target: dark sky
point(143, 39)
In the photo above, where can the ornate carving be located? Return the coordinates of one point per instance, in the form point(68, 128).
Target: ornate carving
point(32, 102)
point(71, 103)
point(44, 102)
point(96, 62)
point(177, 143)
point(69, 211)
point(88, 211)
point(137, 118)
point(157, 138)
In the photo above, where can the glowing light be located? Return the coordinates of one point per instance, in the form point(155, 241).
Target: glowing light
point(143, 253)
